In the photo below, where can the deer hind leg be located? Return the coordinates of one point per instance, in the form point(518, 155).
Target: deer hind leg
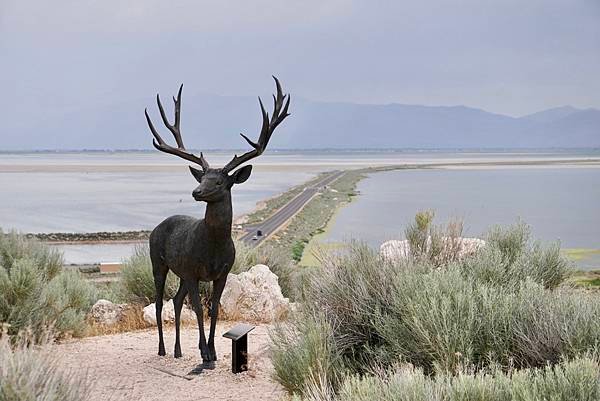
point(160, 277)
point(218, 286)
point(178, 304)
point(194, 293)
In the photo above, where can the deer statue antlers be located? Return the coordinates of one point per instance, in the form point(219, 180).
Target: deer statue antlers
point(268, 126)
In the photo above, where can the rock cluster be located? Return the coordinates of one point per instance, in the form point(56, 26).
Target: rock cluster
point(400, 249)
point(107, 313)
point(255, 296)
point(168, 313)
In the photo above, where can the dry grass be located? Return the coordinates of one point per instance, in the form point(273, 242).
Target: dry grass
point(32, 372)
point(131, 320)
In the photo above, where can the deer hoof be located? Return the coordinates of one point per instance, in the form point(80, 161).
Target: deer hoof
point(178, 354)
point(212, 355)
point(197, 370)
point(209, 365)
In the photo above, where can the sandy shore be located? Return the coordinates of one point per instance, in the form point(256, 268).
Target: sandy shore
point(126, 367)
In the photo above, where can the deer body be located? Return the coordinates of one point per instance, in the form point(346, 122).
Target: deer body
point(202, 249)
point(194, 248)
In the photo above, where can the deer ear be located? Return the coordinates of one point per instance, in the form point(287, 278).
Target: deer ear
point(241, 175)
point(198, 174)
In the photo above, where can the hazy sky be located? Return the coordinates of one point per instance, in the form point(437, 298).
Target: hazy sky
point(507, 56)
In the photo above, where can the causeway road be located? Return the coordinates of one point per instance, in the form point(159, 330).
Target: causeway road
point(281, 216)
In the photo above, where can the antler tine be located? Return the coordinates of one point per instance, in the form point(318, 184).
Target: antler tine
point(267, 129)
point(175, 127)
point(161, 145)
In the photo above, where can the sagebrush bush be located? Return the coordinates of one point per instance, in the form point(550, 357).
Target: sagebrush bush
point(576, 380)
point(137, 280)
point(33, 373)
point(437, 245)
point(494, 308)
point(510, 256)
point(15, 247)
point(304, 352)
point(35, 293)
point(442, 320)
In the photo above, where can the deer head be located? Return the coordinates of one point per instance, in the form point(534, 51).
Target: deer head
point(216, 183)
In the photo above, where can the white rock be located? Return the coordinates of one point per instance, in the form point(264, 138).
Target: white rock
point(255, 296)
point(396, 250)
point(106, 313)
point(168, 313)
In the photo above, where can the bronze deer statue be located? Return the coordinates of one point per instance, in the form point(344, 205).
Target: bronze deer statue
point(202, 249)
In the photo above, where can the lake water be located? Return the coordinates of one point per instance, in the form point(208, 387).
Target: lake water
point(114, 192)
point(118, 191)
point(560, 203)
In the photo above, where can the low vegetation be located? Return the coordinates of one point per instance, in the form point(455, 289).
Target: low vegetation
point(435, 244)
point(589, 279)
point(36, 294)
point(500, 310)
point(33, 373)
point(578, 379)
point(137, 280)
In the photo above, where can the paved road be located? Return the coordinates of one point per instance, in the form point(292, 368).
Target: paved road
point(279, 218)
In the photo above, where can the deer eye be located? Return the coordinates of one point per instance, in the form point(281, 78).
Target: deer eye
point(219, 182)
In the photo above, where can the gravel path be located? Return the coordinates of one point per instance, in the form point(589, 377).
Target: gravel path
point(126, 367)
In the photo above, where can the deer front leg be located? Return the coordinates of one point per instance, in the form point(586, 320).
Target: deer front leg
point(178, 304)
point(218, 286)
point(194, 293)
point(159, 282)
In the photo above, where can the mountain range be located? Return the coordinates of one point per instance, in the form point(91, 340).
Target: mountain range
point(213, 122)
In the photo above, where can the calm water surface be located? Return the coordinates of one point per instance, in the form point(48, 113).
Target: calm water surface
point(559, 203)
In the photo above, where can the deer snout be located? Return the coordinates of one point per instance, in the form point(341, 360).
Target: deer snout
point(197, 194)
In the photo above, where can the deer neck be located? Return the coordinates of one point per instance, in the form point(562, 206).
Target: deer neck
point(218, 217)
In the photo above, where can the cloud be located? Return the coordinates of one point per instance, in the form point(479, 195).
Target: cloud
point(507, 56)
point(149, 16)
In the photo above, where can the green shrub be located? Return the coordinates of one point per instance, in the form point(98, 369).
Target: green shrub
point(493, 308)
point(305, 352)
point(511, 241)
point(441, 320)
point(510, 257)
point(33, 373)
point(434, 244)
point(245, 258)
point(575, 380)
point(36, 294)
point(15, 247)
point(298, 249)
point(137, 280)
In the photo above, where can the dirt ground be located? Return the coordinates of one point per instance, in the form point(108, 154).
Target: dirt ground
point(126, 366)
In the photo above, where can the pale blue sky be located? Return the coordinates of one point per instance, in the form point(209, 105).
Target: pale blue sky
point(507, 56)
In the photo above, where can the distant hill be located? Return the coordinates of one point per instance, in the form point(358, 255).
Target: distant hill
point(547, 116)
point(213, 122)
